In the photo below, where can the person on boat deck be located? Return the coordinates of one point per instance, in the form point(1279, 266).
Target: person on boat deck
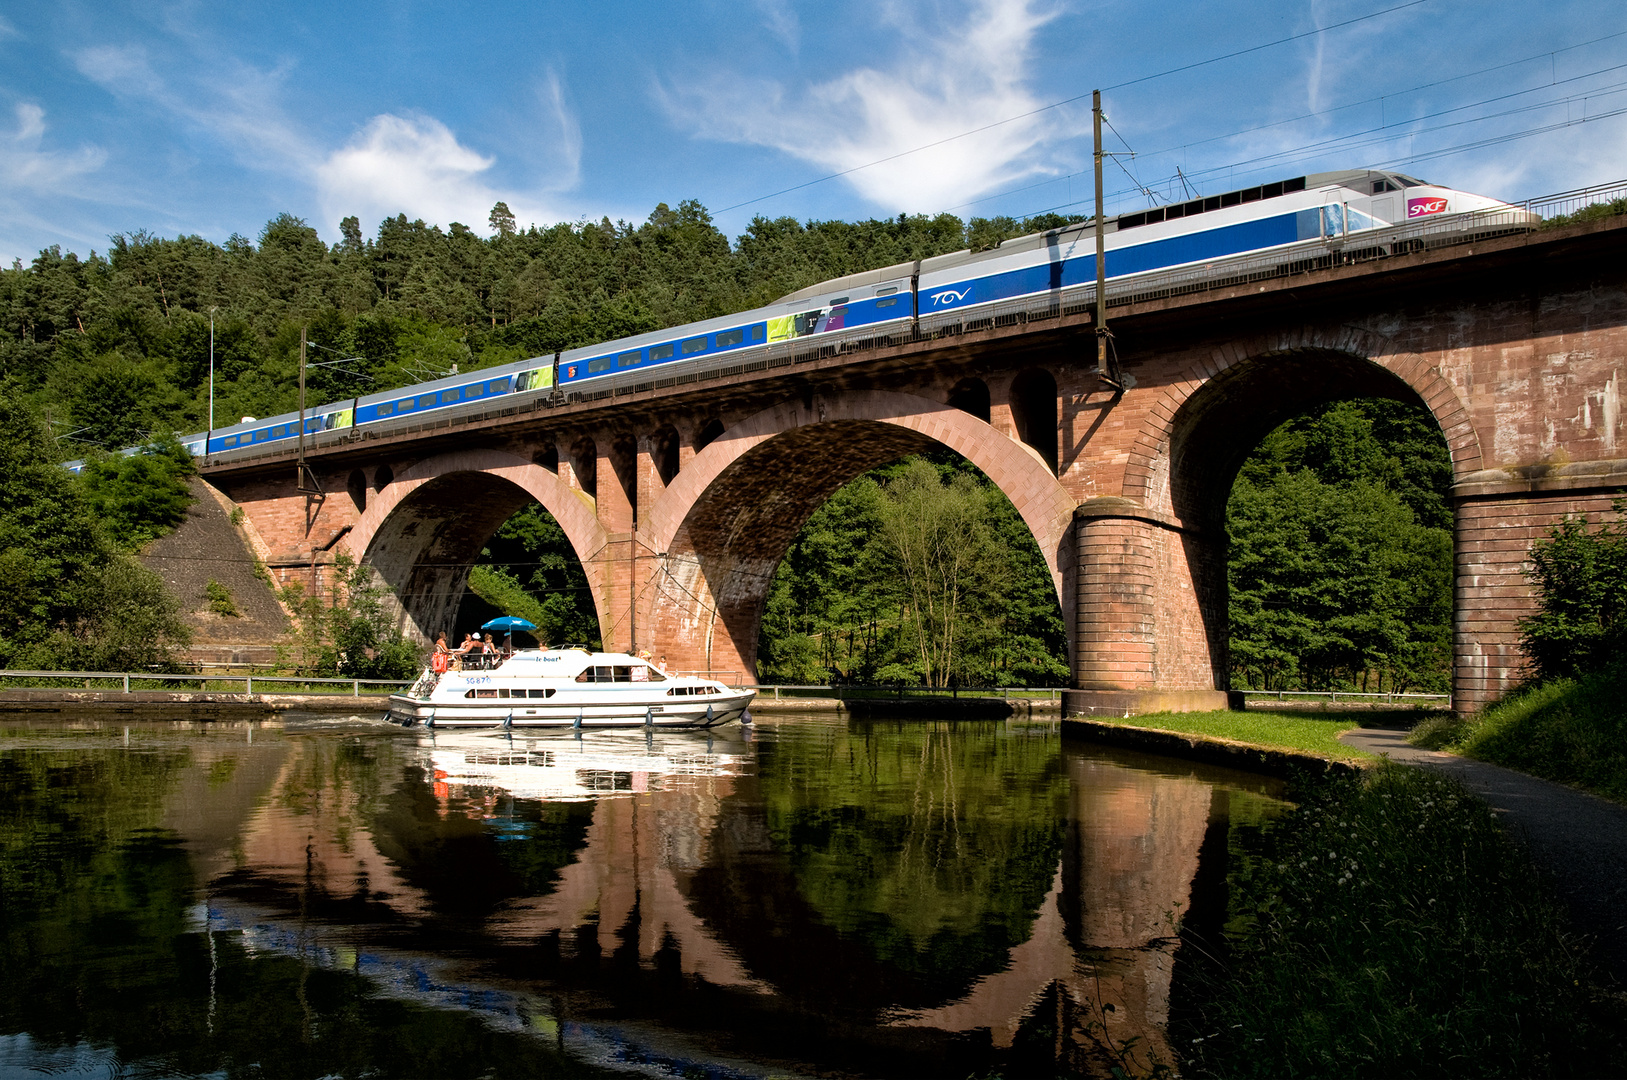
point(440, 643)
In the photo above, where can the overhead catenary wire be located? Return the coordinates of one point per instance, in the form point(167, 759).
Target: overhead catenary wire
point(1401, 160)
point(1236, 133)
point(1077, 98)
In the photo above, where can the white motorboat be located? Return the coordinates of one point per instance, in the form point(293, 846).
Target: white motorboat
point(568, 687)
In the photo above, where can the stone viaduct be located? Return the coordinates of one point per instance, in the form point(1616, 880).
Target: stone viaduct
point(680, 500)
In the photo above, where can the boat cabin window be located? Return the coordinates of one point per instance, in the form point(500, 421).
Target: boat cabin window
point(644, 673)
point(617, 673)
point(503, 692)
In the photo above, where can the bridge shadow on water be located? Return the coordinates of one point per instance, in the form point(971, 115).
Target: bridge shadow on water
point(805, 896)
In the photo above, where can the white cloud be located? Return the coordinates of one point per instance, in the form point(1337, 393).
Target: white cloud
point(406, 163)
point(780, 18)
point(25, 164)
point(393, 164)
point(966, 73)
point(556, 108)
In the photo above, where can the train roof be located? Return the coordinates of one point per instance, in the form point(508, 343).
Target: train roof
point(851, 281)
point(1357, 179)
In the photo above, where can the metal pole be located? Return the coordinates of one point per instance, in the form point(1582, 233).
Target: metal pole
point(211, 380)
point(299, 469)
point(1101, 244)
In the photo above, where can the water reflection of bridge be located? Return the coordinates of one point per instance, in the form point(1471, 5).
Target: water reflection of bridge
point(338, 837)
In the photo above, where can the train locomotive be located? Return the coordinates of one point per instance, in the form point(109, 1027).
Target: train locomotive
point(1300, 219)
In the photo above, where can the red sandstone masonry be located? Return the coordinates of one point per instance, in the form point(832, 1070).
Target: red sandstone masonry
point(1506, 357)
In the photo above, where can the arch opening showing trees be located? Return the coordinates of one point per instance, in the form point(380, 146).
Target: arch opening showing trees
point(528, 568)
point(918, 572)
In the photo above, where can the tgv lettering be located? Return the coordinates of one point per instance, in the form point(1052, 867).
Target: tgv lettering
point(954, 297)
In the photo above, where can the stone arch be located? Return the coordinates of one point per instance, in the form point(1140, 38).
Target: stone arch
point(1034, 412)
point(708, 434)
point(664, 453)
point(1325, 365)
point(422, 531)
point(730, 515)
point(1162, 545)
point(971, 396)
point(585, 464)
point(356, 485)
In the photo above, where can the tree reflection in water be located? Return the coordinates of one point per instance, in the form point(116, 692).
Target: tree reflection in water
point(866, 898)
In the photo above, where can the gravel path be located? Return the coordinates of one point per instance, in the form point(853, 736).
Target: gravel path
point(1579, 840)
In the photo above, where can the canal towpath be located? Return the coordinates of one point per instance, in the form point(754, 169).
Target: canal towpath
point(1578, 840)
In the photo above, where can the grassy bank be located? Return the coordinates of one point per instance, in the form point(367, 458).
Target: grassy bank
point(1307, 731)
point(1573, 731)
point(1386, 927)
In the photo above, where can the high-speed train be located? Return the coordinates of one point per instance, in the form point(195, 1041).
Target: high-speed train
point(1302, 218)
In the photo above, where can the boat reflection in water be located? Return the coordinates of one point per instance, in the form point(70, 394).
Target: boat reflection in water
point(828, 897)
point(587, 766)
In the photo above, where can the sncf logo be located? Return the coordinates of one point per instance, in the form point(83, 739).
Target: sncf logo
point(570, 372)
point(1420, 207)
point(949, 296)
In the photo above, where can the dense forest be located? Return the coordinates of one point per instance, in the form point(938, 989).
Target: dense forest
point(1341, 546)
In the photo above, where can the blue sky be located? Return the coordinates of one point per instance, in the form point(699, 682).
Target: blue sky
point(210, 119)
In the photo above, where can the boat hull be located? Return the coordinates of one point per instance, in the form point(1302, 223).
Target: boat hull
point(695, 713)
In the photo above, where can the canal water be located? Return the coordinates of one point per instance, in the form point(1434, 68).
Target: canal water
point(801, 897)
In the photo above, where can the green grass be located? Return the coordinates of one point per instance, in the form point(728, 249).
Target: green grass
point(1573, 731)
point(1386, 927)
point(1308, 732)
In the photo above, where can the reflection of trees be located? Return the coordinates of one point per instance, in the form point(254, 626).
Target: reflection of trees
point(103, 956)
point(865, 871)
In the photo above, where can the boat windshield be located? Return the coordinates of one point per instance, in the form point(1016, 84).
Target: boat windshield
point(621, 673)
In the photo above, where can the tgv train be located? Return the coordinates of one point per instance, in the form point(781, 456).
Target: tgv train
point(1302, 218)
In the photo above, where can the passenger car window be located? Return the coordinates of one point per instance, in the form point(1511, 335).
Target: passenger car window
point(660, 352)
point(694, 345)
point(630, 359)
point(730, 337)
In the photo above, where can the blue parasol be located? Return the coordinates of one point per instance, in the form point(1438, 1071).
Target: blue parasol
point(509, 623)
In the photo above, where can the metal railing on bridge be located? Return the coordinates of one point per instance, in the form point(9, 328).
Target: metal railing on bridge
point(138, 681)
point(1335, 697)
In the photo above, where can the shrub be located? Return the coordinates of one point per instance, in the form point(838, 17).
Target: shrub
point(139, 497)
point(350, 633)
point(220, 599)
point(1387, 927)
point(1580, 575)
point(1569, 730)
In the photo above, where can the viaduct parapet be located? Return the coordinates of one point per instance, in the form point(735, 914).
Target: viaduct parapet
point(681, 499)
